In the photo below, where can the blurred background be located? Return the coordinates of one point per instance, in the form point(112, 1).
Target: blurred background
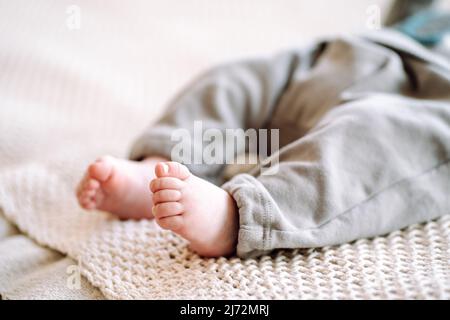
point(110, 66)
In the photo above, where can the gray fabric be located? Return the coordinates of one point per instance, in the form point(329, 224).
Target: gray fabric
point(365, 135)
point(31, 271)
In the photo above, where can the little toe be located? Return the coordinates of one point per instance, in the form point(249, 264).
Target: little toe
point(102, 169)
point(166, 195)
point(87, 203)
point(172, 169)
point(82, 185)
point(88, 193)
point(166, 183)
point(173, 223)
point(98, 198)
point(167, 209)
point(92, 184)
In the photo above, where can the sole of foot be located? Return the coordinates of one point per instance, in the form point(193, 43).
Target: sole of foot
point(118, 186)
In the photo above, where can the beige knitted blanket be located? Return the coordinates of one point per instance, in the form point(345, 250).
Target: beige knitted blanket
point(129, 260)
point(65, 99)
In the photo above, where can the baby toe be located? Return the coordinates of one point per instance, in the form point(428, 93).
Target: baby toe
point(82, 185)
point(98, 198)
point(90, 205)
point(166, 195)
point(92, 184)
point(86, 202)
point(174, 223)
point(166, 183)
point(88, 193)
point(167, 209)
point(101, 169)
point(172, 169)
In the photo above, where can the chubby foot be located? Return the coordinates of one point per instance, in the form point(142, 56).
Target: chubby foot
point(118, 186)
point(197, 210)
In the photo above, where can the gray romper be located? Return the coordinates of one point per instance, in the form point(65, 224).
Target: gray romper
point(364, 125)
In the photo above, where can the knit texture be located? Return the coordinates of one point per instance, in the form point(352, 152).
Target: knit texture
point(137, 260)
point(65, 100)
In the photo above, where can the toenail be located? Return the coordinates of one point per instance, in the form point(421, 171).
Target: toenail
point(165, 168)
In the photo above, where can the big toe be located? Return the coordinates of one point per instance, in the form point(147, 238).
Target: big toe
point(101, 169)
point(172, 169)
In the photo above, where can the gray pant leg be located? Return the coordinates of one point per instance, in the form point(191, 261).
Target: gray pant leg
point(368, 168)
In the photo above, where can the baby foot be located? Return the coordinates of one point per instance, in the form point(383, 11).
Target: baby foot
point(118, 186)
point(197, 210)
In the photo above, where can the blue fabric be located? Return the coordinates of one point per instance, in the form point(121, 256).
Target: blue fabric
point(426, 27)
